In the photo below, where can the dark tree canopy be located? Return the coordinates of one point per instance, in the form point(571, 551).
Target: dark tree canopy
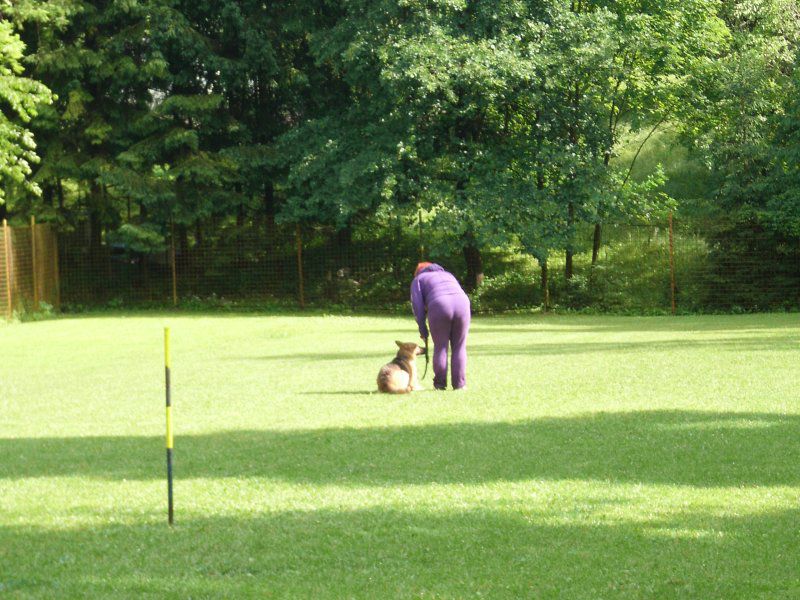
point(507, 123)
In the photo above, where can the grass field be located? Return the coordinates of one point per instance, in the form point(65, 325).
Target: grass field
point(591, 457)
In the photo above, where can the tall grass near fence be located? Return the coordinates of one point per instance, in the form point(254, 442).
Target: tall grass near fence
point(633, 274)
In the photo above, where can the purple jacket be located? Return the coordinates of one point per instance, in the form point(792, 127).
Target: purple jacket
point(432, 282)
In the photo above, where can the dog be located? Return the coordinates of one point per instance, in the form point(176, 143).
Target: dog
point(400, 375)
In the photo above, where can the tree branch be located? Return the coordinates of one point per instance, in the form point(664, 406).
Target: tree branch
point(635, 156)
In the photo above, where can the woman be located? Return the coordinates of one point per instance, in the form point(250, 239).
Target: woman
point(436, 292)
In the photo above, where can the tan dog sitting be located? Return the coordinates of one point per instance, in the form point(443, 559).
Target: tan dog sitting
point(400, 375)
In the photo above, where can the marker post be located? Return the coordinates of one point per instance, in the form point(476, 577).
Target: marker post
point(169, 426)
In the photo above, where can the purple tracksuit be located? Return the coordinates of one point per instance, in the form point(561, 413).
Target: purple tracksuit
point(438, 293)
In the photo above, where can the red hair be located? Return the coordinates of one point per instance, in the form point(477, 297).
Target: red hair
point(420, 266)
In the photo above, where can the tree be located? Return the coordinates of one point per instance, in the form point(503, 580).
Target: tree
point(424, 87)
point(20, 101)
point(172, 165)
point(782, 209)
point(96, 57)
point(739, 102)
point(617, 67)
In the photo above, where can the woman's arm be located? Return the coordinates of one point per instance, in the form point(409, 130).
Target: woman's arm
point(418, 306)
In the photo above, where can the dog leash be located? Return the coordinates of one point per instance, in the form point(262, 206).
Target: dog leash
point(425, 372)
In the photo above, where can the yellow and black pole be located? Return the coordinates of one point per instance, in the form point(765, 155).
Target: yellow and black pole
point(169, 426)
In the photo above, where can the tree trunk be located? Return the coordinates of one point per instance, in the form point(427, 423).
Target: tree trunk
point(239, 259)
point(144, 273)
point(269, 216)
point(96, 271)
point(60, 192)
point(545, 285)
point(344, 248)
point(570, 221)
point(183, 246)
point(474, 261)
point(183, 239)
point(273, 267)
point(596, 241)
point(47, 194)
point(568, 269)
point(398, 234)
point(199, 240)
point(199, 256)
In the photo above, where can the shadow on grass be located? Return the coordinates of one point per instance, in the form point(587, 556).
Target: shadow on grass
point(681, 447)
point(350, 393)
point(388, 553)
point(554, 324)
point(782, 343)
point(389, 354)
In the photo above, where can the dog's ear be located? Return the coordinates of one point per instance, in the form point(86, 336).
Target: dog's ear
point(399, 344)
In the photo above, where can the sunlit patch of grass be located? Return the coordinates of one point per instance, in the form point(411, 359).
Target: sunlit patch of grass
point(591, 457)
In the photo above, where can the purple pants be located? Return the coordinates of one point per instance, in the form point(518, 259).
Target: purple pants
point(448, 321)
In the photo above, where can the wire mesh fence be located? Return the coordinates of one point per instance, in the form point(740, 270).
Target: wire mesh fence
point(5, 271)
point(28, 269)
point(740, 268)
point(302, 266)
point(698, 267)
point(641, 268)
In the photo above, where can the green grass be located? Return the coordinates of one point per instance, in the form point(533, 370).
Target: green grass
point(590, 458)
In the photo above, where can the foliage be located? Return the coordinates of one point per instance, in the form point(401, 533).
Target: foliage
point(736, 120)
point(509, 125)
point(506, 292)
point(44, 312)
point(21, 99)
point(783, 206)
point(143, 239)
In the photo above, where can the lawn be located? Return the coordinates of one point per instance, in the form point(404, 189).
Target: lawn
point(591, 457)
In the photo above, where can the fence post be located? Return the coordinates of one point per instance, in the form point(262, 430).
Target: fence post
point(672, 262)
point(7, 252)
point(34, 265)
point(172, 263)
point(301, 289)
